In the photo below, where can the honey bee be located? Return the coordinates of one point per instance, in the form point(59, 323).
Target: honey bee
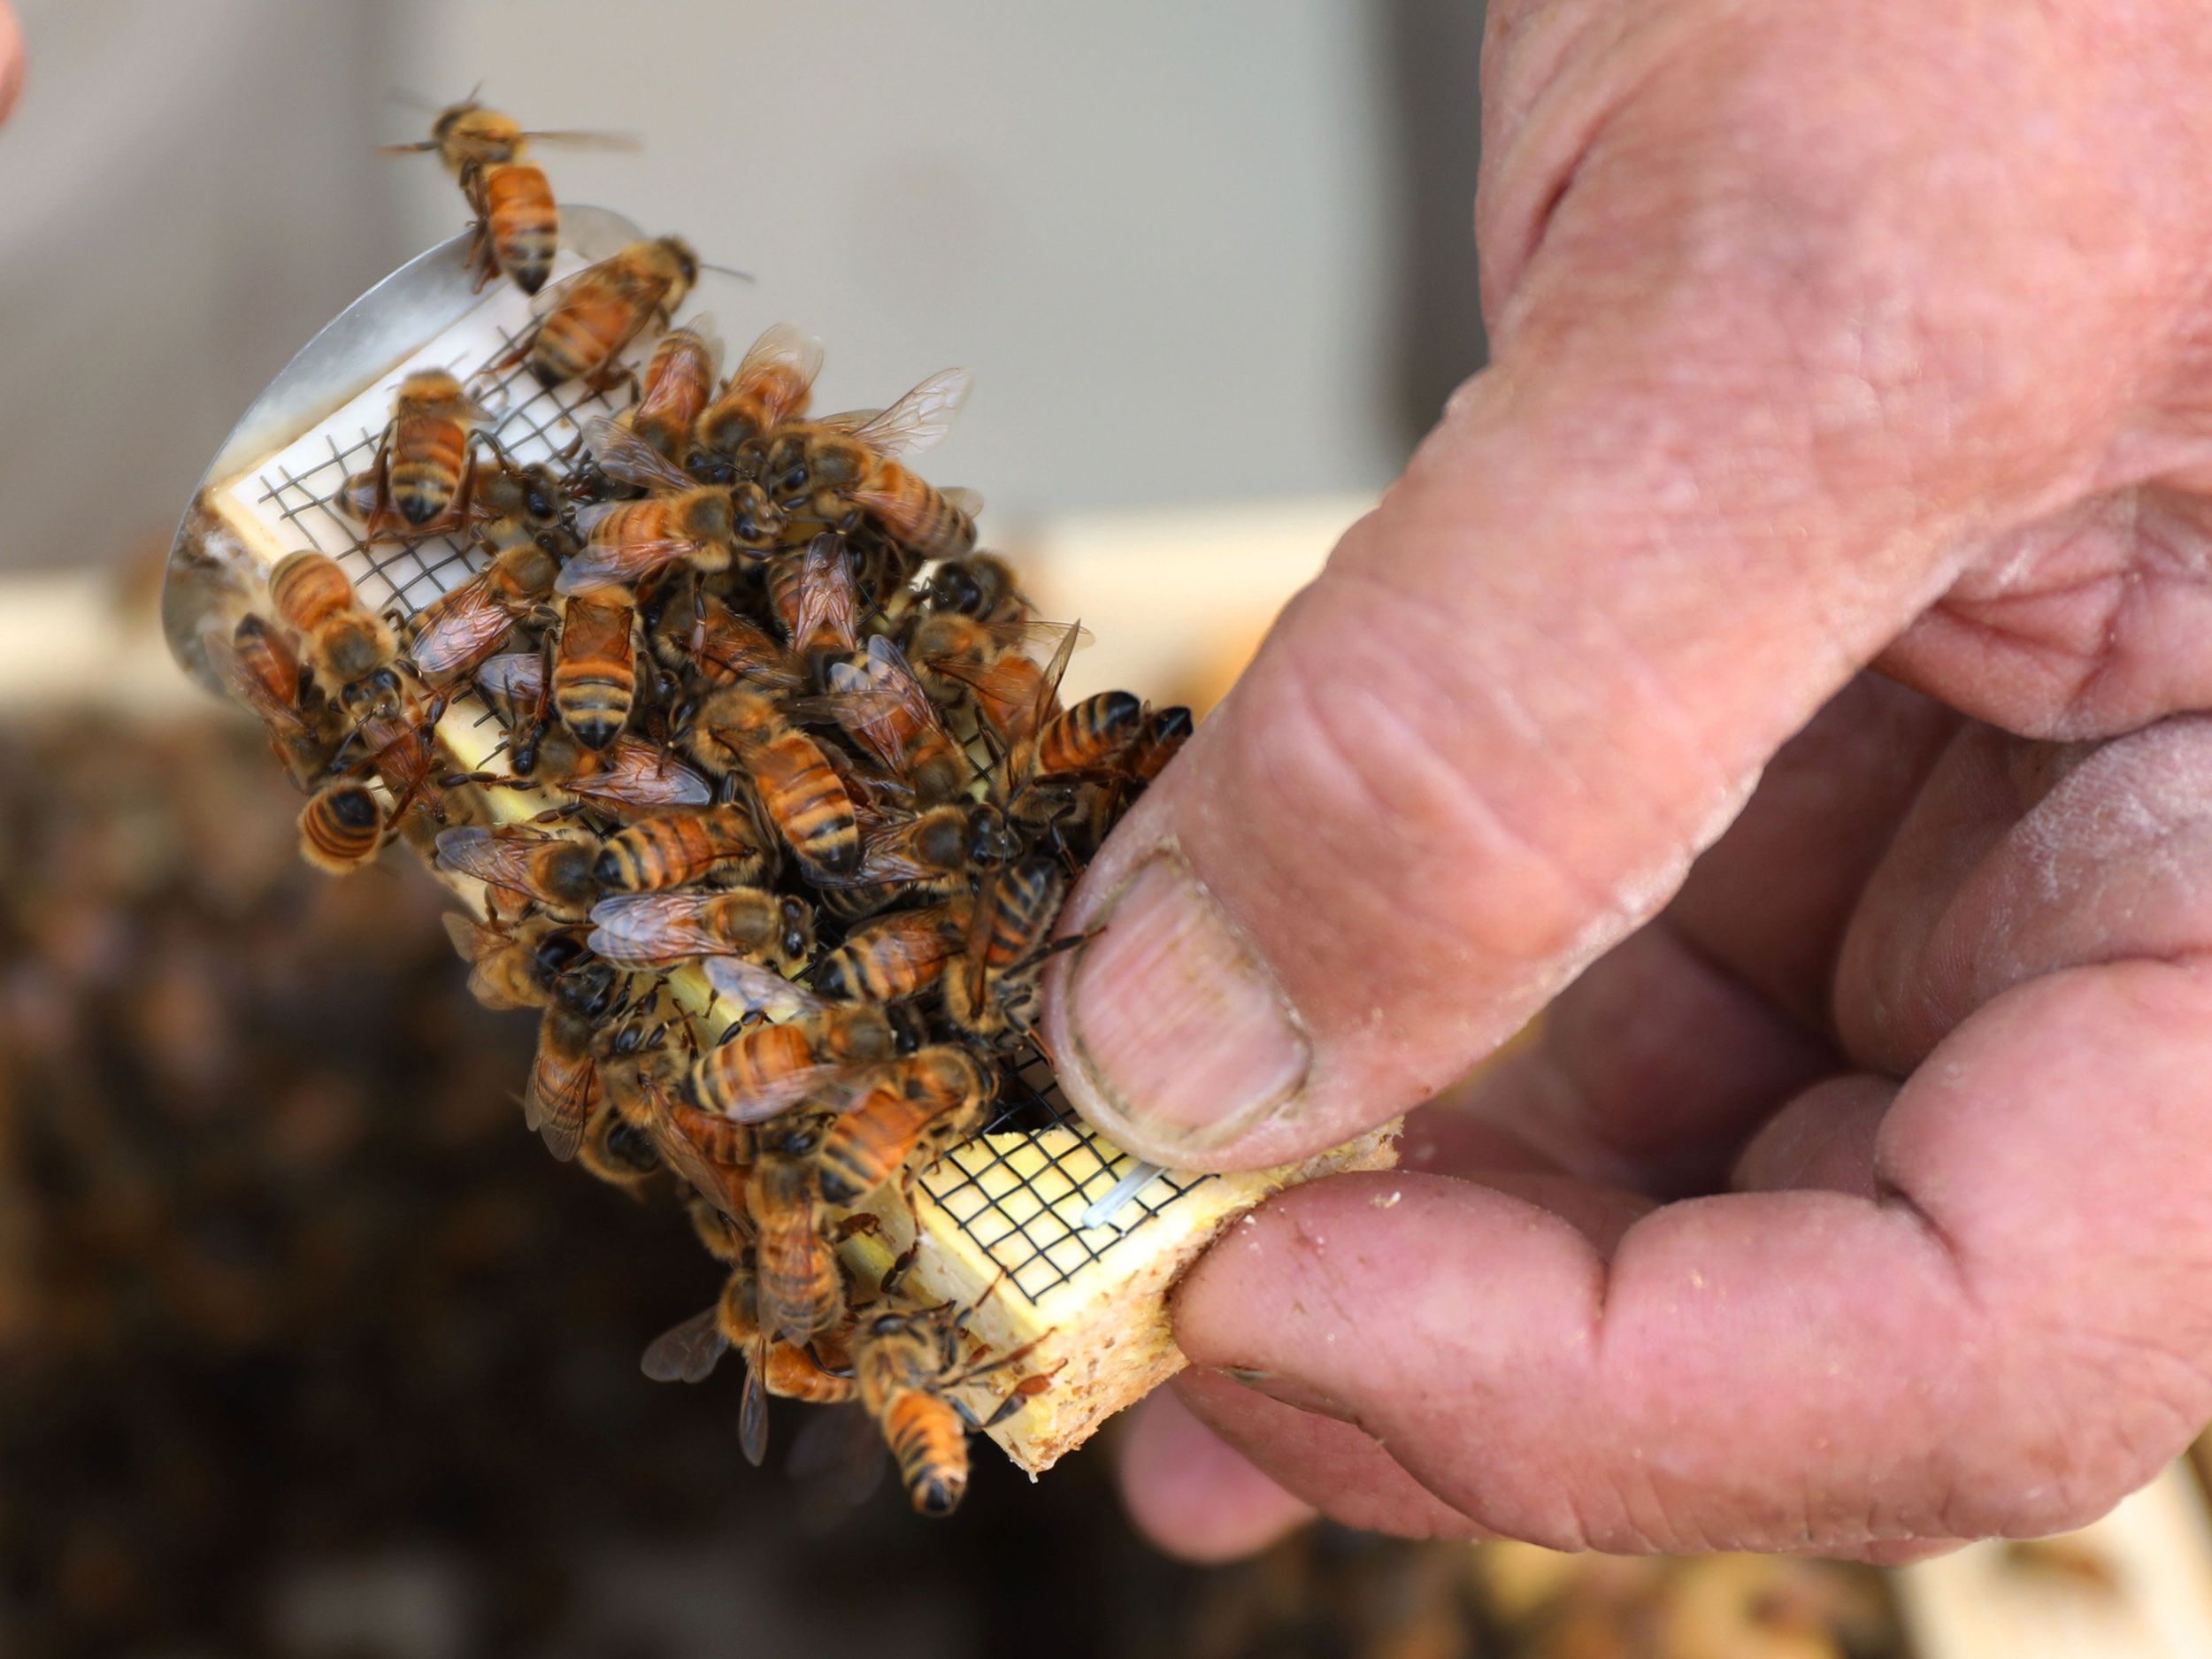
point(907, 1365)
point(980, 587)
point(678, 379)
point(505, 970)
point(659, 930)
point(563, 1087)
point(595, 667)
point(341, 828)
point(992, 994)
point(883, 706)
point(629, 781)
point(689, 1352)
point(554, 872)
point(895, 956)
point(515, 504)
point(801, 1288)
point(617, 1152)
point(770, 388)
point(1088, 736)
point(456, 632)
point(350, 652)
point(518, 225)
point(720, 646)
point(672, 851)
point(934, 1096)
point(962, 662)
point(828, 1052)
point(703, 525)
point(739, 729)
point(400, 748)
point(833, 471)
point(584, 321)
point(260, 668)
point(812, 596)
point(423, 461)
point(643, 1080)
point(938, 850)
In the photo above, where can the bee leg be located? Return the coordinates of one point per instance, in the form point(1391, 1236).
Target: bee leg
point(894, 1275)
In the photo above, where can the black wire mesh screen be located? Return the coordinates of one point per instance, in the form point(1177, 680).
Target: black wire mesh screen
point(1019, 1189)
point(531, 423)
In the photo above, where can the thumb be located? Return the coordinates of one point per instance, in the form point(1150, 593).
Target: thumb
point(1700, 488)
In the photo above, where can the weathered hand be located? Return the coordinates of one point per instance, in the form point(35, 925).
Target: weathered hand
point(1858, 1197)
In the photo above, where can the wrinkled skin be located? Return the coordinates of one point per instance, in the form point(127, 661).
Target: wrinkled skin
point(1789, 648)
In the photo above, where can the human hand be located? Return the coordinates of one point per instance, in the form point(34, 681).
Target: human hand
point(11, 59)
point(1858, 1194)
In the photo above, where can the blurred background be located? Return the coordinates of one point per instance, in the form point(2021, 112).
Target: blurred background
point(305, 1348)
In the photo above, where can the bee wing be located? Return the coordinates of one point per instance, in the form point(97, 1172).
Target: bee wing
point(619, 563)
point(850, 419)
point(644, 929)
point(780, 346)
point(558, 1103)
point(707, 332)
point(968, 501)
point(628, 458)
point(497, 858)
point(826, 602)
point(553, 294)
point(919, 419)
point(222, 655)
point(828, 1087)
point(741, 648)
point(839, 1455)
point(1025, 632)
point(759, 990)
point(515, 677)
point(635, 773)
point(460, 628)
point(575, 140)
point(686, 1352)
point(752, 1412)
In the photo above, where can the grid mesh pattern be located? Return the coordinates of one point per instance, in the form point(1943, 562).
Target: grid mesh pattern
point(1016, 1207)
point(1015, 1188)
point(531, 423)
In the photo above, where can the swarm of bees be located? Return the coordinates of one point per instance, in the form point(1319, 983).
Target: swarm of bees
point(785, 812)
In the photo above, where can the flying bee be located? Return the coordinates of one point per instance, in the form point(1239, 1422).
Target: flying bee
point(883, 706)
point(594, 666)
point(677, 848)
point(907, 1365)
point(456, 631)
point(801, 1288)
point(659, 930)
point(585, 321)
point(935, 1098)
point(689, 1352)
point(703, 525)
point(984, 665)
point(828, 1052)
point(722, 647)
point(833, 471)
point(813, 597)
point(563, 1087)
point(741, 730)
point(980, 586)
point(518, 225)
point(341, 828)
point(554, 872)
point(991, 993)
point(350, 652)
point(259, 667)
point(678, 379)
point(895, 956)
point(770, 388)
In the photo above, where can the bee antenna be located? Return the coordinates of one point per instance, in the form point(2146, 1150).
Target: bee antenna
point(415, 100)
point(744, 276)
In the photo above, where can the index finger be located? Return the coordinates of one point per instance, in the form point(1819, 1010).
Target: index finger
point(2010, 1335)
